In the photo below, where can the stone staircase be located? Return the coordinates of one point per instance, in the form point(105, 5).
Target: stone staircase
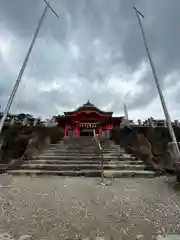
point(79, 156)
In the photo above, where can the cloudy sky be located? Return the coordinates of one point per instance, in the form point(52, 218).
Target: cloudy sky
point(94, 51)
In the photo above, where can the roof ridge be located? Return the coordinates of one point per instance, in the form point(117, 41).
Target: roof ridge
point(88, 104)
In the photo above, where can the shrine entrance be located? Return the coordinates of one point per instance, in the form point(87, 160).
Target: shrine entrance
point(86, 132)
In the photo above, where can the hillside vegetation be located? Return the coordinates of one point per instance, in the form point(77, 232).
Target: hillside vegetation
point(19, 141)
point(152, 145)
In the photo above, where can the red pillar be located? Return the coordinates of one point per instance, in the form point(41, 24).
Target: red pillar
point(76, 131)
point(66, 131)
point(100, 132)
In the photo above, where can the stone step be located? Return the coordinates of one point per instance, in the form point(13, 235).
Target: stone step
point(89, 144)
point(81, 166)
point(85, 145)
point(129, 173)
point(93, 144)
point(75, 148)
point(49, 154)
point(86, 173)
point(82, 157)
point(3, 166)
point(97, 153)
point(85, 150)
point(118, 156)
point(78, 151)
point(42, 161)
point(81, 151)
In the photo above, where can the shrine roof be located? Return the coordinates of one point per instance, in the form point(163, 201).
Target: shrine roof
point(88, 106)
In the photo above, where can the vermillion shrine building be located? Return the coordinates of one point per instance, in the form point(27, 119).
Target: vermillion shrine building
point(87, 118)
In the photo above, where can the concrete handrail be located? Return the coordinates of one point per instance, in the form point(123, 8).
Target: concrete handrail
point(100, 153)
point(97, 141)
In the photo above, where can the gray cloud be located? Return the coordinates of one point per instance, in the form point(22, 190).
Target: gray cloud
point(91, 42)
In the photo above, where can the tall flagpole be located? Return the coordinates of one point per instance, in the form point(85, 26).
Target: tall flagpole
point(18, 80)
point(161, 96)
point(126, 112)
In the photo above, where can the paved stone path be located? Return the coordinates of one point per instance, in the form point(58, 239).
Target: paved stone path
point(80, 208)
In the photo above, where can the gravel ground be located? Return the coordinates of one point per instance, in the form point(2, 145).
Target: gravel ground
point(78, 208)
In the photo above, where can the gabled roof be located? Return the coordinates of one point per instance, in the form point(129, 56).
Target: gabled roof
point(88, 106)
